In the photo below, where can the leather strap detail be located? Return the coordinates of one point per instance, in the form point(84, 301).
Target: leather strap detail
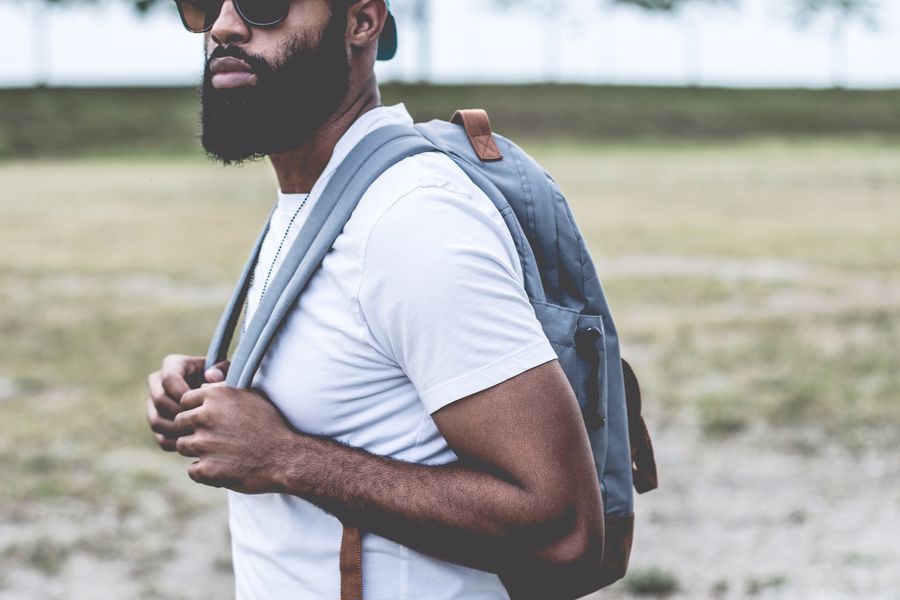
point(351, 564)
point(643, 461)
point(478, 128)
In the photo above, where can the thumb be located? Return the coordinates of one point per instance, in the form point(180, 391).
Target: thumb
point(217, 372)
point(219, 384)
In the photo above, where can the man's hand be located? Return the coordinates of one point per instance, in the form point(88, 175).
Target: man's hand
point(168, 385)
point(236, 435)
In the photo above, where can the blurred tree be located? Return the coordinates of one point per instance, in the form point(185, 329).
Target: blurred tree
point(693, 43)
point(41, 17)
point(670, 6)
point(551, 12)
point(843, 13)
point(144, 5)
point(419, 12)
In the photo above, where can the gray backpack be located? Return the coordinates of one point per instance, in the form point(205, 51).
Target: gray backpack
point(561, 284)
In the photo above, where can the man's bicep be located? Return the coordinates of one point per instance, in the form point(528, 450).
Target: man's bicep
point(440, 295)
point(527, 429)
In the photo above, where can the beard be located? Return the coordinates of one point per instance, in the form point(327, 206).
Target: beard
point(287, 105)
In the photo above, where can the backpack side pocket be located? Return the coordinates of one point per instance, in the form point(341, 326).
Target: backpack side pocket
point(579, 343)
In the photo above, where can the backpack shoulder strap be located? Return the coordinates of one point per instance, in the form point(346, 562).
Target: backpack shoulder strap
point(371, 157)
point(221, 340)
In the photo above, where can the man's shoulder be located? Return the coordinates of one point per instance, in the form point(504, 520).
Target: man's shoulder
point(426, 170)
point(426, 209)
point(426, 205)
point(428, 176)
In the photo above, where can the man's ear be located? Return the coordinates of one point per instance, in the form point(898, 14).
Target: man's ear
point(365, 20)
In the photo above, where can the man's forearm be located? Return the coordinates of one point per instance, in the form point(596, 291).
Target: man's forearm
point(523, 502)
point(452, 512)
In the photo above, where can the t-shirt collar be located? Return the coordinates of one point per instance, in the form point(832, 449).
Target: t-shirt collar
point(380, 116)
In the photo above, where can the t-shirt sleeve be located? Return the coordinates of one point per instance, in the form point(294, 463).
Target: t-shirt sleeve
point(441, 294)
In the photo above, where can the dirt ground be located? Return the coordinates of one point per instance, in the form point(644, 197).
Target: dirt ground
point(757, 288)
point(756, 516)
point(750, 516)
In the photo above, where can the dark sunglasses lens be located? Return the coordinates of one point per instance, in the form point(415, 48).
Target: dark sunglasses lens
point(264, 12)
point(199, 15)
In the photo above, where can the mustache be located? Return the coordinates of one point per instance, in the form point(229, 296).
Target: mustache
point(257, 64)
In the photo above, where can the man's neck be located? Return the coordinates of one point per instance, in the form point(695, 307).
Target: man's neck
point(298, 169)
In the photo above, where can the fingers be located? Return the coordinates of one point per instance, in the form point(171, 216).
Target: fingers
point(163, 429)
point(220, 384)
point(165, 443)
point(176, 370)
point(194, 398)
point(167, 387)
point(185, 423)
point(200, 472)
point(186, 446)
point(174, 384)
point(217, 372)
point(159, 424)
point(196, 412)
point(166, 407)
point(196, 472)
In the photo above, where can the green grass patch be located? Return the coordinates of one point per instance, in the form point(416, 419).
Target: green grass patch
point(142, 122)
point(758, 585)
point(652, 582)
point(43, 554)
point(834, 373)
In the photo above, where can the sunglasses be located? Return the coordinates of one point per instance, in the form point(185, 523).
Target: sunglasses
point(199, 16)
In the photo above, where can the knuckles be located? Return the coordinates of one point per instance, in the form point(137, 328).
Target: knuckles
point(173, 360)
point(200, 417)
point(170, 381)
point(196, 472)
point(192, 444)
point(188, 445)
point(193, 399)
point(165, 443)
point(210, 397)
point(184, 423)
point(200, 473)
point(156, 424)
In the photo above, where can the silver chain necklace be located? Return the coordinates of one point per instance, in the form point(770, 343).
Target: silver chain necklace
point(271, 267)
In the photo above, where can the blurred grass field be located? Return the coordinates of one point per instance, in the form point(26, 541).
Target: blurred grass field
point(755, 282)
point(142, 121)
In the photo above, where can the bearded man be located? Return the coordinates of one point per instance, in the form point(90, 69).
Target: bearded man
point(411, 391)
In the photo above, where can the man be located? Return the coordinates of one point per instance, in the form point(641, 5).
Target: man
point(411, 391)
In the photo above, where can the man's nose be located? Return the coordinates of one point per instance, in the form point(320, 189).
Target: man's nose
point(229, 27)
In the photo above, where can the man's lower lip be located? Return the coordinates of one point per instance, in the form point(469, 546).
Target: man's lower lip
point(232, 79)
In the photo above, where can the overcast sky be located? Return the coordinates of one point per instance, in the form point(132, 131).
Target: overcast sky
point(754, 45)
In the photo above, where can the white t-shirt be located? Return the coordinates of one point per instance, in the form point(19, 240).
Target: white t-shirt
point(419, 303)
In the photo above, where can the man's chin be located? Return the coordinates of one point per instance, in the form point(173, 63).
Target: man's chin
point(230, 136)
point(235, 149)
point(228, 158)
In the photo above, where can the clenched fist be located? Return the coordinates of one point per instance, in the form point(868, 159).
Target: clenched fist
point(179, 374)
point(240, 439)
